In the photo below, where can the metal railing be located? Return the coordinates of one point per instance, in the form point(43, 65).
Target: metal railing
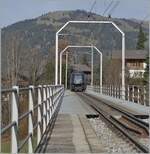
point(133, 93)
point(45, 99)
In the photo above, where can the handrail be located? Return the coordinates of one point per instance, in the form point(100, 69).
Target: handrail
point(48, 97)
point(24, 115)
point(7, 127)
point(133, 93)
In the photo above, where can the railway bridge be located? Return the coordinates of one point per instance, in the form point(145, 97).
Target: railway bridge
point(102, 119)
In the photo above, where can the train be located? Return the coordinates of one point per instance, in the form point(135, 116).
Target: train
point(78, 81)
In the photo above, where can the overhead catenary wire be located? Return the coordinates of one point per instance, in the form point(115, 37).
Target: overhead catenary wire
point(107, 8)
point(89, 15)
point(92, 7)
point(113, 8)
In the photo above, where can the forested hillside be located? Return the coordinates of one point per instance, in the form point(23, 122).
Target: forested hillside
point(28, 47)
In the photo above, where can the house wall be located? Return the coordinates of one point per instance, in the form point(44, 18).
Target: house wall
point(135, 64)
point(136, 67)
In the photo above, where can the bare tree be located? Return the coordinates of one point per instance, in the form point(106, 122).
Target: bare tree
point(33, 65)
point(13, 57)
point(112, 72)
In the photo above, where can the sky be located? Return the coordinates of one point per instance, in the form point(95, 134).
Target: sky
point(12, 11)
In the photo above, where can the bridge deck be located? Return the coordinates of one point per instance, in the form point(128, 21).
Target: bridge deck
point(72, 104)
point(72, 131)
point(133, 108)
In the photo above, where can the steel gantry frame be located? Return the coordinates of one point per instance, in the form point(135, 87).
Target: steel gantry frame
point(80, 46)
point(93, 22)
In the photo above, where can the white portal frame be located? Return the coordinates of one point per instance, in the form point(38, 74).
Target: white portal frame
point(80, 46)
point(93, 22)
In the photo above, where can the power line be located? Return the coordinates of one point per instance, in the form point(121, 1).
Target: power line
point(113, 8)
point(107, 8)
point(92, 7)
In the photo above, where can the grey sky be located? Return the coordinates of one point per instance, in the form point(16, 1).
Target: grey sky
point(12, 11)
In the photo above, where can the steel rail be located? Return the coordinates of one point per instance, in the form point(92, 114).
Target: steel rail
point(145, 124)
point(116, 123)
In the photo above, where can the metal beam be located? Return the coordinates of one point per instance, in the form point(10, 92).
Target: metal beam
point(73, 46)
point(93, 22)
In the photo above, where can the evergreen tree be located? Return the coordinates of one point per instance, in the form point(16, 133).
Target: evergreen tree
point(141, 39)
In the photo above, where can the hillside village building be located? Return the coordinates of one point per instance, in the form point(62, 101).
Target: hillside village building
point(134, 61)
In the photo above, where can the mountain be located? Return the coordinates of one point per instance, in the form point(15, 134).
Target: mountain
point(36, 38)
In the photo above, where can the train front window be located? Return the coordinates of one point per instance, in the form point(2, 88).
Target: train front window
point(78, 79)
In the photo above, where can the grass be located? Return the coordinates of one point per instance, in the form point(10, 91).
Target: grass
point(6, 147)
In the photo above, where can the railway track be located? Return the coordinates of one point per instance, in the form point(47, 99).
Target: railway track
point(124, 123)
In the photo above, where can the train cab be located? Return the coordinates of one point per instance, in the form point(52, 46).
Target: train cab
point(78, 81)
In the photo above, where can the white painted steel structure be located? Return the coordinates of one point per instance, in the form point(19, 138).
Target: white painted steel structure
point(66, 70)
point(49, 99)
point(92, 68)
point(113, 99)
point(92, 22)
point(133, 93)
point(79, 46)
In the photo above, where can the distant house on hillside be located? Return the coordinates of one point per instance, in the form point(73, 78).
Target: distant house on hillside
point(81, 68)
point(134, 61)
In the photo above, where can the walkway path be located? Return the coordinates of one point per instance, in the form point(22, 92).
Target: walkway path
point(72, 132)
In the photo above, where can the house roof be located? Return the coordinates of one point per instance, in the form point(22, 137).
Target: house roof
point(81, 67)
point(130, 54)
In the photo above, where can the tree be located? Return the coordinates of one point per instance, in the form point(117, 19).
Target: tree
point(62, 44)
point(84, 60)
point(33, 65)
point(49, 73)
point(14, 57)
point(141, 39)
point(112, 72)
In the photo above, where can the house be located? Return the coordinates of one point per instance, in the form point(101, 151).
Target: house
point(134, 61)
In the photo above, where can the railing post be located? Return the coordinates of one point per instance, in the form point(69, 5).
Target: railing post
point(128, 95)
point(52, 98)
point(14, 118)
point(50, 90)
point(48, 104)
point(39, 115)
point(133, 93)
point(144, 95)
point(116, 91)
point(110, 90)
point(138, 94)
point(55, 100)
point(30, 122)
point(44, 108)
